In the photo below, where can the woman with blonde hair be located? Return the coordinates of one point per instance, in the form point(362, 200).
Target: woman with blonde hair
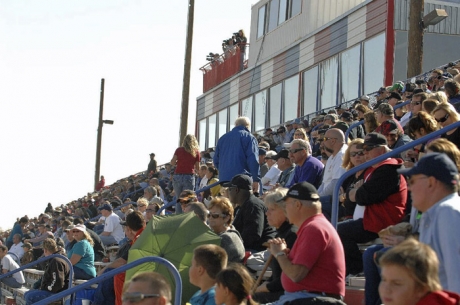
point(82, 254)
point(439, 96)
point(370, 122)
point(300, 133)
point(445, 146)
point(186, 159)
point(445, 114)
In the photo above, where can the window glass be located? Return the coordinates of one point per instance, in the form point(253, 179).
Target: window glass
point(310, 90)
point(296, 7)
point(202, 134)
point(374, 61)
point(328, 92)
point(233, 115)
point(260, 111)
point(291, 96)
point(212, 131)
point(246, 108)
point(349, 73)
point(222, 122)
point(283, 10)
point(261, 22)
point(273, 17)
point(275, 105)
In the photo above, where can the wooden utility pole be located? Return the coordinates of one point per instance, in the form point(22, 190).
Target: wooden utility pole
point(186, 81)
point(99, 136)
point(415, 39)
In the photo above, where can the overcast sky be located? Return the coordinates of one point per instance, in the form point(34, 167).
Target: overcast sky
point(53, 55)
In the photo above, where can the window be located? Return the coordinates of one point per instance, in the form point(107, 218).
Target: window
point(202, 134)
point(349, 73)
point(261, 21)
point(288, 9)
point(233, 115)
point(273, 16)
point(260, 110)
point(222, 122)
point(328, 91)
point(246, 108)
point(283, 15)
point(310, 90)
point(291, 97)
point(275, 105)
point(296, 7)
point(374, 63)
point(212, 131)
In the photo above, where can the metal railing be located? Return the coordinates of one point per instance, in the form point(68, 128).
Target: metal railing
point(354, 170)
point(112, 273)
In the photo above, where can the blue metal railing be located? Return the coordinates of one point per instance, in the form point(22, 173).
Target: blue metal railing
point(43, 259)
point(347, 133)
point(112, 273)
point(335, 194)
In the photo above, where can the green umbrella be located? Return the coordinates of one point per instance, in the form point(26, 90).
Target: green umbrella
point(173, 238)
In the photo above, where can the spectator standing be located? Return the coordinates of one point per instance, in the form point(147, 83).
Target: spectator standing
point(113, 232)
point(237, 153)
point(250, 219)
point(55, 277)
point(17, 229)
point(308, 168)
point(434, 191)
point(100, 184)
point(152, 167)
point(186, 159)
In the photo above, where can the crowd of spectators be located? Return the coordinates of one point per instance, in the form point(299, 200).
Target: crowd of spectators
point(276, 190)
point(230, 47)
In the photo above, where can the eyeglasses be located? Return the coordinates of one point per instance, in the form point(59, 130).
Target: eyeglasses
point(412, 180)
point(136, 297)
point(293, 151)
point(141, 205)
point(183, 201)
point(443, 119)
point(298, 134)
point(327, 138)
point(415, 103)
point(370, 147)
point(357, 153)
point(217, 215)
point(76, 231)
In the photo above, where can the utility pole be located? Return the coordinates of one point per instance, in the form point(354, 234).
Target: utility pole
point(415, 39)
point(186, 81)
point(99, 136)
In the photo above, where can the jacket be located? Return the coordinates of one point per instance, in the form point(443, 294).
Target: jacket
point(440, 298)
point(384, 193)
point(237, 152)
point(56, 275)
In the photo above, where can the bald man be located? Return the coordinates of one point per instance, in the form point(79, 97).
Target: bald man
point(335, 146)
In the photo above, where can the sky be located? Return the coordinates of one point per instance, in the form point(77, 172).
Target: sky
point(53, 55)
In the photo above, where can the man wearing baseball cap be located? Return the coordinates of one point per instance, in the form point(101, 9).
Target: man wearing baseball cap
point(433, 183)
point(113, 231)
point(285, 166)
point(395, 138)
point(315, 266)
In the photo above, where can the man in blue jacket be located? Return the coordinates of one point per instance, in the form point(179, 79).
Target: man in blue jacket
point(237, 152)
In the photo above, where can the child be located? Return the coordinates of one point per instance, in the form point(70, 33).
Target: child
point(410, 276)
point(207, 262)
point(234, 286)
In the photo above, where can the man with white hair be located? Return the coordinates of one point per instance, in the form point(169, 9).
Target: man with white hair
point(237, 152)
point(308, 168)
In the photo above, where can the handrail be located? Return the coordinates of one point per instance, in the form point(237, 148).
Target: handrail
point(347, 133)
point(335, 194)
point(112, 273)
point(43, 259)
point(171, 203)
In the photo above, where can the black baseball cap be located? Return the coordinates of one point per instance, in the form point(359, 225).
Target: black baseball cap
point(302, 191)
point(284, 153)
point(241, 181)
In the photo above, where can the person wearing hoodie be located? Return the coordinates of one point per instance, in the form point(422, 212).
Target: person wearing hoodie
point(381, 201)
point(410, 276)
point(56, 276)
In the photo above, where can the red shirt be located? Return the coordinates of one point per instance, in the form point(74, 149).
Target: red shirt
point(185, 161)
point(318, 247)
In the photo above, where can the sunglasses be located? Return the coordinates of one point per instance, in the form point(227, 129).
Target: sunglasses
point(183, 201)
point(357, 153)
point(443, 119)
point(141, 205)
point(136, 297)
point(76, 231)
point(327, 138)
point(415, 103)
point(293, 151)
point(217, 215)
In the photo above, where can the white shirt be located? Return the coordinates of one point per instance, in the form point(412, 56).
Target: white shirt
point(17, 249)
point(271, 177)
point(332, 171)
point(405, 118)
point(112, 225)
point(9, 264)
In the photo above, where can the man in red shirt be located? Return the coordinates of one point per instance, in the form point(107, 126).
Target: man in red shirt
point(315, 266)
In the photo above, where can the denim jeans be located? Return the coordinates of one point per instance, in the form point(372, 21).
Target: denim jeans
point(326, 207)
point(33, 296)
point(79, 274)
point(105, 293)
point(180, 183)
point(108, 240)
point(372, 275)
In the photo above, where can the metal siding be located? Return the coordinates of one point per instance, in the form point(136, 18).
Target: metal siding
point(356, 27)
point(339, 34)
point(278, 68)
point(200, 108)
point(208, 105)
point(234, 90)
point(306, 53)
point(221, 97)
point(376, 17)
point(322, 45)
point(255, 79)
point(267, 74)
point(243, 84)
point(292, 61)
